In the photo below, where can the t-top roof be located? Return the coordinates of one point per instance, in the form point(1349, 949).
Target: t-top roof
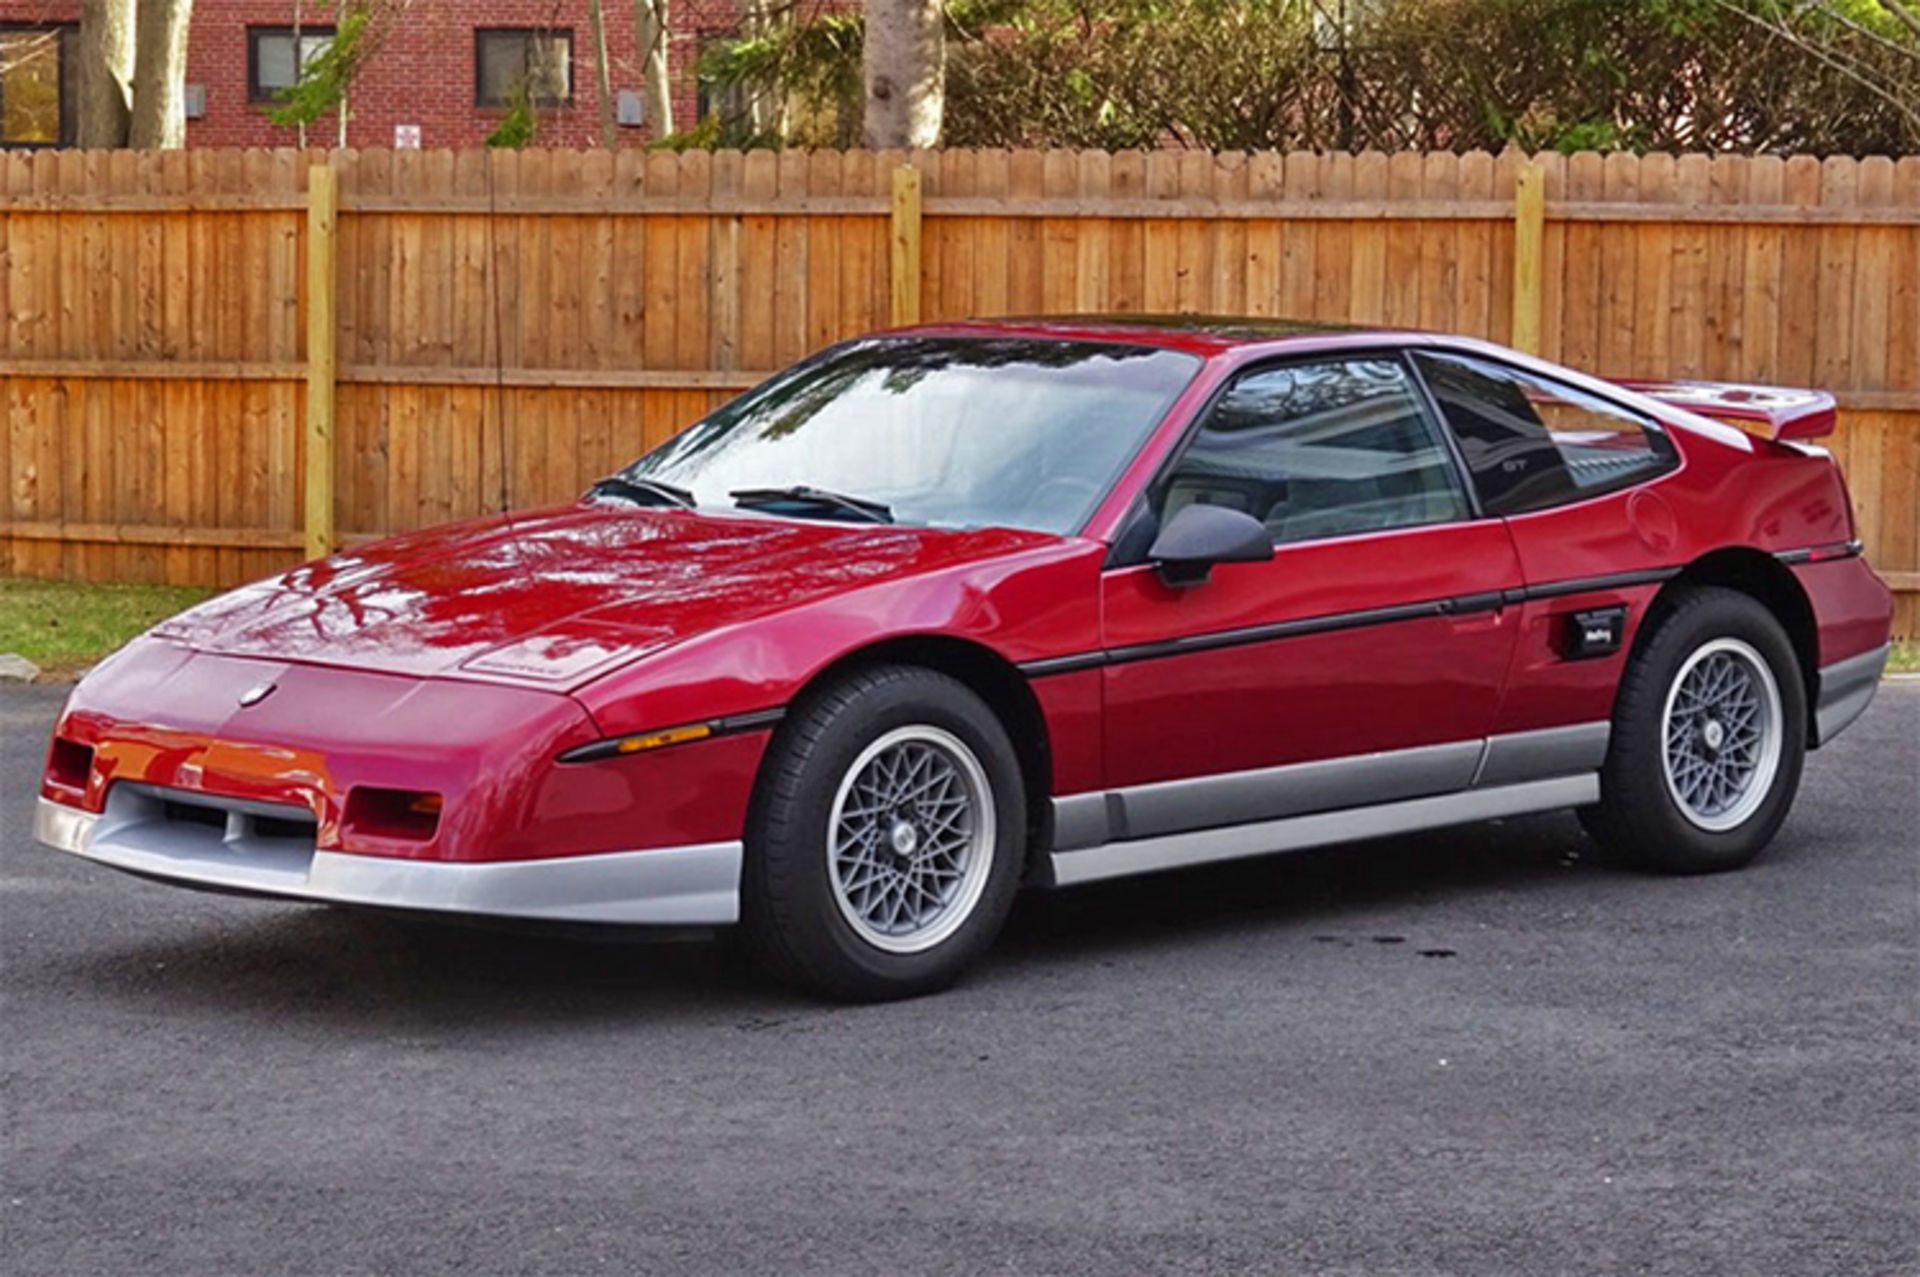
point(1202, 334)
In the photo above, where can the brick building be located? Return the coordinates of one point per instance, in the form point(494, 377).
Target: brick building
point(441, 70)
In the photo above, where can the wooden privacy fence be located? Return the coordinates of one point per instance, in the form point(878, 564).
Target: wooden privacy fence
point(215, 361)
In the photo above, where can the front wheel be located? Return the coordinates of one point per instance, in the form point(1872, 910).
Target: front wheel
point(887, 837)
point(1709, 734)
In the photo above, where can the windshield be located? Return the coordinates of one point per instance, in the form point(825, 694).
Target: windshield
point(982, 431)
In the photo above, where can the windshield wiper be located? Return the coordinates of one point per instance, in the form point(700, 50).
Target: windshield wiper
point(800, 494)
point(642, 491)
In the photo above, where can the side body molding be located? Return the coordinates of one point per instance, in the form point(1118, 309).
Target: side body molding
point(1117, 832)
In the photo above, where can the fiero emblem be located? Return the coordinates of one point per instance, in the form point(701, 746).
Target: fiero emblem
point(255, 694)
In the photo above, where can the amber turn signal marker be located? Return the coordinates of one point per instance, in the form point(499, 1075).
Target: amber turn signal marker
point(638, 743)
point(654, 740)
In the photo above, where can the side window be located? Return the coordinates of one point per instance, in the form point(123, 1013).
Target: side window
point(1320, 450)
point(1532, 443)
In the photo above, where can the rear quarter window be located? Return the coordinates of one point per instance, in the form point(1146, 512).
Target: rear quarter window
point(1531, 443)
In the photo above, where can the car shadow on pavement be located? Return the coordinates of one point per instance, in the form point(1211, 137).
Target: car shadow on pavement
point(1301, 895)
point(320, 965)
point(328, 967)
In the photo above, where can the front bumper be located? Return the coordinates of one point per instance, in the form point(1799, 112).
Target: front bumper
point(245, 847)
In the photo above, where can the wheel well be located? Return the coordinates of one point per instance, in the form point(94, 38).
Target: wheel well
point(1763, 578)
point(994, 680)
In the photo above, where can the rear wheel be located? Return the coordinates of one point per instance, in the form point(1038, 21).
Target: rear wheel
point(1709, 734)
point(887, 837)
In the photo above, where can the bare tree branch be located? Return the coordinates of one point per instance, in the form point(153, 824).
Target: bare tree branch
point(1906, 16)
point(1826, 58)
point(1834, 14)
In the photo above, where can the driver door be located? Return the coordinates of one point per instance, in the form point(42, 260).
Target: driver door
point(1376, 635)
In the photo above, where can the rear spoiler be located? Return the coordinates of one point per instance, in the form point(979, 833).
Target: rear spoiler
point(1773, 411)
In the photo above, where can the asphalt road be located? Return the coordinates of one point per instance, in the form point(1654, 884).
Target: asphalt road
point(1470, 1051)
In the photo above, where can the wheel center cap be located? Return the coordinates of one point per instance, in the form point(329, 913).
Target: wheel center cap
point(1713, 735)
point(904, 838)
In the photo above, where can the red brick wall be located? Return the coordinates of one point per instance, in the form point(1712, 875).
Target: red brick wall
point(424, 71)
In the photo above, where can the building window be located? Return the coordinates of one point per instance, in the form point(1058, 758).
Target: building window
point(727, 101)
point(508, 62)
point(35, 86)
point(271, 62)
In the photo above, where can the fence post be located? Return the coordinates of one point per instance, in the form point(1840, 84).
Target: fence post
point(1529, 246)
point(323, 217)
point(904, 258)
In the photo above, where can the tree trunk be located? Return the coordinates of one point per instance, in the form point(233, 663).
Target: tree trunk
point(299, 66)
point(159, 119)
point(758, 23)
point(602, 74)
point(650, 29)
point(105, 89)
point(905, 69)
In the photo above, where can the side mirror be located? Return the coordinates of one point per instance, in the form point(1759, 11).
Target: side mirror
point(1202, 535)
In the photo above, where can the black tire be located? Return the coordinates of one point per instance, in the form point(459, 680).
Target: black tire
point(793, 917)
point(1640, 820)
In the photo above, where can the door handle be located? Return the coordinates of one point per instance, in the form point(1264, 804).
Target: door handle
point(1467, 604)
point(1485, 610)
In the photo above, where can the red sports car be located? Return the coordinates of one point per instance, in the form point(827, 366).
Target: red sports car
point(944, 611)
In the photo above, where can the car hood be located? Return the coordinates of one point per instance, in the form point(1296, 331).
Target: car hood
point(559, 597)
